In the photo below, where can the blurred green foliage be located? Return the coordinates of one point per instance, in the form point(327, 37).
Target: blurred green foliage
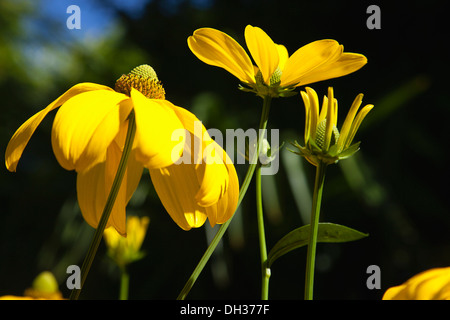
point(392, 189)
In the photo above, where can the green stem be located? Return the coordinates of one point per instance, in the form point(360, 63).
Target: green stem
point(314, 225)
point(265, 272)
point(248, 177)
point(108, 207)
point(124, 283)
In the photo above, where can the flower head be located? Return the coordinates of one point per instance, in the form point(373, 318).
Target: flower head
point(127, 250)
point(88, 136)
point(276, 73)
point(433, 284)
point(44, 287)
point(323, 141)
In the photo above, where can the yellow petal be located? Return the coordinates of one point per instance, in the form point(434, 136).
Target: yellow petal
point(213, 175)
point(156, 123)
point(433, 284)
point(176, 187)
point(263, 50)
point(21, 137)
point(356, 123)
point(283, 56)
point(308, 58)
point(224, 209)
point(94, 185)
point(209, 158)
point(313, 109)
point(218, 49)
point(192, 192)
point(345, 131)
point(85, 126)
point(346, 64)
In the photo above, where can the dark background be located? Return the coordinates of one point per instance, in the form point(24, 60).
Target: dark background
point(394, 188)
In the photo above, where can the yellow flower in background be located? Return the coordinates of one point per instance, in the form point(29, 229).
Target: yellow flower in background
point(323, 141)
point(433, 284)
point(88, 136)
point(125, 250)
point(44, 287)
point(276, 72)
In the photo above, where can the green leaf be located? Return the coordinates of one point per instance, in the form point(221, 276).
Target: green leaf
point(327, 232)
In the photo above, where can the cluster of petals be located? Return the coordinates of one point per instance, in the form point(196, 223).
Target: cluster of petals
point(432, 284)
point(316, 61)
point(88, 136)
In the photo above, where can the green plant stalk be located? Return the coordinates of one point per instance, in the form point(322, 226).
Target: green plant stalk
point(108, 206)
point(124, 283)
point(265, 272)
point(243, 189)
point(314, 225)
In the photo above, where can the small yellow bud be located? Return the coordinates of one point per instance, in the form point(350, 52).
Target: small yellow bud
point(44, 286)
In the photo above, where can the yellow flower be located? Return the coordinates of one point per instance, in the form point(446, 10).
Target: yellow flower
point(433, 284)
point(127, 250)
point(323, 142)
point(276, 73)
point(88, 136)
point(44, 287)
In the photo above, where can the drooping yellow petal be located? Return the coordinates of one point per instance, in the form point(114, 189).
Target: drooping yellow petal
point(85, 126)
point(218, 49)
point(94, 186)
point(263, 50)
point(224, 209)
point(155, 124)
point(346, 64)
point(190, 191)
point(209, 157)
point(177, 186)
point(21, 137)
point(433, 284)
point(308, 58)
point(213, 175)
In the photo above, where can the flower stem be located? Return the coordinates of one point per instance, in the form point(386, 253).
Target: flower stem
point(108, 206)
point(243, 189)
point(314, 225)
point(265, 272)
point(124, 283)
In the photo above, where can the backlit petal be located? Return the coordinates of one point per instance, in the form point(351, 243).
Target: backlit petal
point(190, 191)
point(346, 64)
point(94, 185)
point(283, 56)
point(224, 209)
point(21, 137)
point(432, 284)
point(263, 50)
point(209, 157)
point(85, 126)
point(218, 49)
point(213, 175)
point(308, 58)
point(176, 187)
point(155, 124)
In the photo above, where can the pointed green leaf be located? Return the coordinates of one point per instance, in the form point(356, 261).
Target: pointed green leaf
point(327, 232)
